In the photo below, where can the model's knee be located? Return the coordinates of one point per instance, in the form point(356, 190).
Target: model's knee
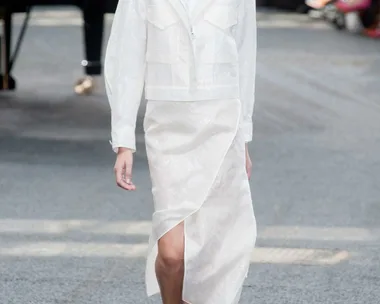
point(170, 258)
point(170, 253)
point(171, 249)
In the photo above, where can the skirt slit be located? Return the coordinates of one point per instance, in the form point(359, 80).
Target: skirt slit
point(196, 161)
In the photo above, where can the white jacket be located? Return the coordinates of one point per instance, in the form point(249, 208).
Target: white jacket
point(172, 54)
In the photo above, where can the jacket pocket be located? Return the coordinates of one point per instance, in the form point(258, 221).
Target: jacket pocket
point(219, 21)
point(163, 34)
point(222, 16)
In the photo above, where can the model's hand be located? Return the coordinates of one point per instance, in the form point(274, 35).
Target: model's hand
point(123, 169)
point(248, 162)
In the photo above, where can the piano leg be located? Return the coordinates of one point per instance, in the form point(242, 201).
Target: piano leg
point(93, 16)
point(6, 80)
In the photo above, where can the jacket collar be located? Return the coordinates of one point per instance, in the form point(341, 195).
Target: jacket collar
point(199, 8)
point(185, 17)
point(181, 11)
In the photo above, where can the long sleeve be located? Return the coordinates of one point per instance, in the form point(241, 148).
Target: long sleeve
point(124, 71)
point(246, 38)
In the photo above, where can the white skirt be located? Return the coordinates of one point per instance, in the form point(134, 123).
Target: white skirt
point(196, 156)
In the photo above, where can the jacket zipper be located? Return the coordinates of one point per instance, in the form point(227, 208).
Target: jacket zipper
point(193, 78)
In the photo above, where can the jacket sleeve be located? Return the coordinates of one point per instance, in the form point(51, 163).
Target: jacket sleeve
point(246, 39)
point(124, 71)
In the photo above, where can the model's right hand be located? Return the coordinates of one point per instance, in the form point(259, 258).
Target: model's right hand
point(123, 169)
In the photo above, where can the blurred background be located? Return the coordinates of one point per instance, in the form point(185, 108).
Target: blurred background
point(69, 235)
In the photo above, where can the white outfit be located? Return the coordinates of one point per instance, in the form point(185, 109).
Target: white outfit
point(196, 60)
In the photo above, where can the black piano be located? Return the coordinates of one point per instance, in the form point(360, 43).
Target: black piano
point(93, 16)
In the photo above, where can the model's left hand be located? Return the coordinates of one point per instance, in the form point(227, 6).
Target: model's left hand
point(248, 162)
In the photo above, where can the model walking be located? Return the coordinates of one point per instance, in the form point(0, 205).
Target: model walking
point(196, 62)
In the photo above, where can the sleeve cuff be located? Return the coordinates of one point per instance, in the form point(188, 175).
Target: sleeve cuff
point(124, 138)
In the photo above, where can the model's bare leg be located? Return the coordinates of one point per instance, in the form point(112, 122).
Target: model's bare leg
point(170, 265)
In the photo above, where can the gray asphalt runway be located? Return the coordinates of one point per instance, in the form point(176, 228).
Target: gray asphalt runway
point(68, 235)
